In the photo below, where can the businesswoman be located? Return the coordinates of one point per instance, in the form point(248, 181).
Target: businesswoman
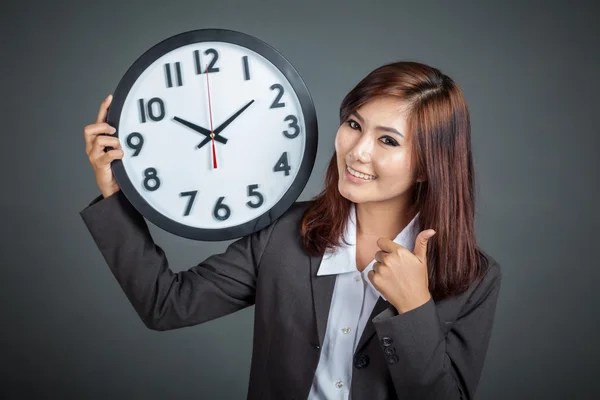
point(374, 289)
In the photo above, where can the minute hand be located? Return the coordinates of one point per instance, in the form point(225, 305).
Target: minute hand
point(226, 123)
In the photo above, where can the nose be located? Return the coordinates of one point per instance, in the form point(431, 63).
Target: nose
point(362, 149)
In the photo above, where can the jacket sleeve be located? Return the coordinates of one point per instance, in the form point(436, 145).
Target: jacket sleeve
point(427, 364)
point(217, 286)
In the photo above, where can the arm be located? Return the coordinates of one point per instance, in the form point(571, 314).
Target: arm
point(220, 285)
point(430, 365)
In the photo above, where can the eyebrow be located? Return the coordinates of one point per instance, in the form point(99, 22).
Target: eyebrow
point(381, 128)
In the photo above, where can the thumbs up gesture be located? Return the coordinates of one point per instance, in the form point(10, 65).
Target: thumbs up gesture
point(400, 275)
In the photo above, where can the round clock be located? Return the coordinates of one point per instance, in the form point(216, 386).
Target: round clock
point(219, 134)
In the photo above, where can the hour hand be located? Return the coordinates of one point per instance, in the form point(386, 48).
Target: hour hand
point(199, 129)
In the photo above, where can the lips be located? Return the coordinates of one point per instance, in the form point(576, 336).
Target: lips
point(359, 174)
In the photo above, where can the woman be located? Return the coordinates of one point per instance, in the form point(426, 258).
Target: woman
point(375, 289)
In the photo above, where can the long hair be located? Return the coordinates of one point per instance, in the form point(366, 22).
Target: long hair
point(439, 124)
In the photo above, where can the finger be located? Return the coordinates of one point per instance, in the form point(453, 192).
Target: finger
point(98, 145)
point(371, 276)
point(91, 132)
point(104, 109)
point(387, 245)
point(379, 256)
point(377, 267)
point(96, 129)
point(101, 142)
point(108, 157)
point(421, 244)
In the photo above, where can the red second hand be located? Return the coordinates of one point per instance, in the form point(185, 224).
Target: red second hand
point(212, 132)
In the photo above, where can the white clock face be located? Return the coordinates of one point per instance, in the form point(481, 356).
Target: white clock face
point(234, 182)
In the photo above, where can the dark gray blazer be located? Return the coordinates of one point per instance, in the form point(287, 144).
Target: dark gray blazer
point(435, 351)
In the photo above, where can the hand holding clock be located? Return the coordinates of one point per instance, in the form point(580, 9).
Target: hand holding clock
point(102, 148)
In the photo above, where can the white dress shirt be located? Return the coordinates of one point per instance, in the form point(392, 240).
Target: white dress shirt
point(354, 297)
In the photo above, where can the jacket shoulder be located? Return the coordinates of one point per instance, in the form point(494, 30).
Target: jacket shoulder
point(488, 263)
point(490, 278)
point(295, 212)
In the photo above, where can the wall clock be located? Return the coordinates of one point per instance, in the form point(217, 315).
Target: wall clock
point(219, 134)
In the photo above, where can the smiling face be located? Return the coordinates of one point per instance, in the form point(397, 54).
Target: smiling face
point(374, 153)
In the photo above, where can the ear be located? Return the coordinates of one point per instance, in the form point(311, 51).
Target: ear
point(421, 178)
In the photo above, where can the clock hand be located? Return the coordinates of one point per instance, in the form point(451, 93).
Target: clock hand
point(226, 123)
point(212, 131)
point(230, 119)
point(199, 129)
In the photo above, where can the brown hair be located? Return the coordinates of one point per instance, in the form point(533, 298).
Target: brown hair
point(438, 121)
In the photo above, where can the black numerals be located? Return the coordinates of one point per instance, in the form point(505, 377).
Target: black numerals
point(151, 181)
point(211, 64)
point(221, 210)
point(282, 164)
point(215, 54)
point(294, 125)
point(154, 109)
point(252, 192)
point(277, 103)
point(246, 68)
point(192, 194)
point(176, 71)
point(135, 141)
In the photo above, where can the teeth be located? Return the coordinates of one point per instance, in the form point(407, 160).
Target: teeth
point(360, 174)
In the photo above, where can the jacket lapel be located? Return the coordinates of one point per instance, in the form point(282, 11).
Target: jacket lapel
point(322, 292)
point(369, 330)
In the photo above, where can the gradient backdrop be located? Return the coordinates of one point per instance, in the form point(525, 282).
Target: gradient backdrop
point(530, 76)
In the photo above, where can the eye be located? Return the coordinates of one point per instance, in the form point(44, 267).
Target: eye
point(353, 124)
point(389, 141)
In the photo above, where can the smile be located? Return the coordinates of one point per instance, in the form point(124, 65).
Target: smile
point(360, 174)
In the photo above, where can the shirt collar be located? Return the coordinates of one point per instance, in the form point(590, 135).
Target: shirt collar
point(343, 259)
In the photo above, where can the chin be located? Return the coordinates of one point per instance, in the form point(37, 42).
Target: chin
point(364, 195)
point(351, 194)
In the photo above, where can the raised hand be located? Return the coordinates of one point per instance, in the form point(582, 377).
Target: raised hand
point(400, 275)
point(102, 148)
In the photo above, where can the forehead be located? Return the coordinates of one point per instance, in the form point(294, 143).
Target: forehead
point(388, 110)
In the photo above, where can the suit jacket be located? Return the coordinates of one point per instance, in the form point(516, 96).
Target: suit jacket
point(435, 351)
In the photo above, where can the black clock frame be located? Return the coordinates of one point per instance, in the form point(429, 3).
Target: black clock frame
point(308, 110)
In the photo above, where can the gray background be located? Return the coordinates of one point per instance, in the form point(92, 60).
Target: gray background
point(530, 75)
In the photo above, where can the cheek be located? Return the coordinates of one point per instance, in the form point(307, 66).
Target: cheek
point(343, 144)
point(339, 142)
point(396, 167)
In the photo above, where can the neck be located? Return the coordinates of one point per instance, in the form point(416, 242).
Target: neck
point(382, 218)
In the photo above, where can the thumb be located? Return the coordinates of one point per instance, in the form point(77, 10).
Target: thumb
point(421, 244)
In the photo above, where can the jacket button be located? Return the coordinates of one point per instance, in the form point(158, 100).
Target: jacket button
point(392, 359)
point(389, 351)
point(361, 361)
point(387, 341)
